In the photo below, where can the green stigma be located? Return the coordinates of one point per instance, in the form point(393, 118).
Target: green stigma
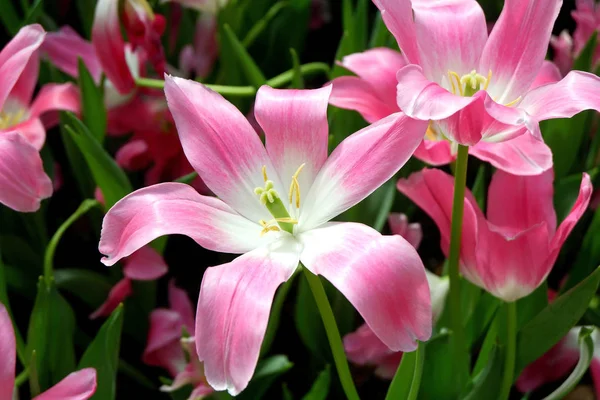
point(270, 198)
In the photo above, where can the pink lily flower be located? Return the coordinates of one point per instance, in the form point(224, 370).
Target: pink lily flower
point(167, 349)
point(558, 362)
point(563, 51)
point(143, 265)
point(23, 122)
point(362, 346)
point(373, 94)
point(510, 253)
point(249, 217)
point(79, 385)
point(199, 57)
point(473, 88)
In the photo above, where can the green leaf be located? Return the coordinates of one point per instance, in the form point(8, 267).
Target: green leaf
point(265, 375)
point(585, 60)
point(33, 13)
point(103, 354)
point(79, 168)
point(108, 175)
point(479, 187)
point(361, 25)
point(320, 388)
point(482, 316)
point(90, 287)
point(92, 101)
point(245, 61)
point(566, 191)
point(438, 381)
point(50, 335)
point(9, 17)
point(486, 349)
point(275, 315)
point(586, 352)
point(490, 379)
point(263, 23)
point(588, 256)
point(380, 35)
point(400, 386)
point(530, 306)
point(553, 322)
point(4, 300)
point(86, 12)
point(308, 324)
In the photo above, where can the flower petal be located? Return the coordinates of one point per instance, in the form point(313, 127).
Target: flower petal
point(145, 264)
point(433, 191)
point(221, 145)
point(116, 296)
point(15, 57)
point(411, 232)
point(175, 208)
point(562, 46)
point(517, 46)
point(80, 385)
point(353, 93)
point(576, 92)
point(553, 365)
point(8, 348)
point(519, 202)
point(22, 178)
point(134, 155)
point(549, 73)
point(363, 347)
point(398, 17)
point(378, 67)
point(296, 130)
point(233, 311)
point(523, 155)
point(462, 119)
point(180, 303)
point(65, 47)
point(566, 226)
point(25, 86)
point(435, 152)
point(56, 97)
point(163, 347)
point(451, 36)
point(33, 131)
point(382, 276)
point(359, 165)
point(109, 46)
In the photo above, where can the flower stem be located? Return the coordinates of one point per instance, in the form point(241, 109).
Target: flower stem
point(409, 372)
point(22, 377)
point(459, 348)
point(416, 381)
point(511, 347)
point(333, 334)
point(85, 206)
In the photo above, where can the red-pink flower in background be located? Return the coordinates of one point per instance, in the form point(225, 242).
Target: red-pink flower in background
point(510, 253)
point(558, 362)
point(143, 265)
point(373, 94)
point(250, 218)
point(362, 346)
point(80, 385)
point(23, 122)
point(167, 348)
point(473, 88)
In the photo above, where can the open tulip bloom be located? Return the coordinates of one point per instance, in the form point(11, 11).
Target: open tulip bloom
point(273, 207)
point(475, 90)
point(510, 253)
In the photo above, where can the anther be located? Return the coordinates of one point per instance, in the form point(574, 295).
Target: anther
point(295, 187)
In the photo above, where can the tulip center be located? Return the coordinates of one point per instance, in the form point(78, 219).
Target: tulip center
point(270, 198)
point(468, 84)
point(12, 114)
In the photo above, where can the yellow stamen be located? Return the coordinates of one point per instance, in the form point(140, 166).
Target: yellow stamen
point(431, 134)
point(453, 75)
point(271, 226)
point(295, 187)
point(487, 80)
point(264, 171)
point(512, 103)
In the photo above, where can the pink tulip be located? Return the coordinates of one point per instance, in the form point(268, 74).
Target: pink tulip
point(510, 253)
point(373, 94)
point(166, 348)
point(558, 362)
point(23, 122)
point(79, 385)
point(249, 217)
point(143, 265)
point(399, 225)
point(472, 88)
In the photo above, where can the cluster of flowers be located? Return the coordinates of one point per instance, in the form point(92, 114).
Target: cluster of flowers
point(451, 85)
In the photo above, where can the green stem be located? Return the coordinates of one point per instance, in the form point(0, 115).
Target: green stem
point(22, 377)
point(246, 91)
point(460, 182)
point(260, 26)
point(511, 347)
point(85, 206)
point(416, 381)
point(333, 334)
